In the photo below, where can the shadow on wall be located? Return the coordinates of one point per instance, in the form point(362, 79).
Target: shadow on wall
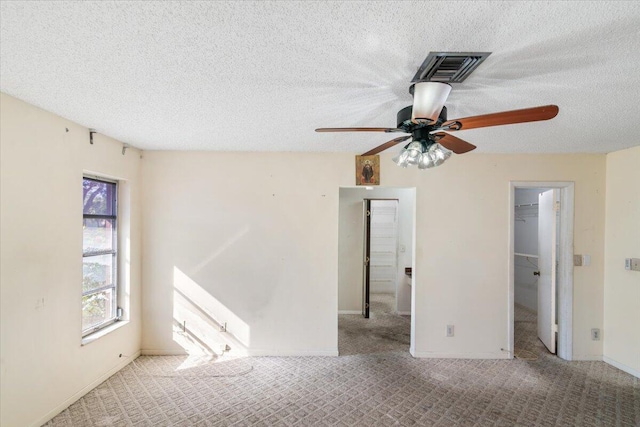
point(198, 324)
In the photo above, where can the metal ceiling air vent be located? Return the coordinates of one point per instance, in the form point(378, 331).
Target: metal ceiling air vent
point(449, 67)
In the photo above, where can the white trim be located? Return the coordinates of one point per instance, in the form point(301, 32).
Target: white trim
point(565, 268)
point(621, 366)
point(290, 353)
point(104, 331)
point(248, 352)
point(349, 311)
point(160, 352)
point(84, 390)
point(587, 358)
point(438, 355)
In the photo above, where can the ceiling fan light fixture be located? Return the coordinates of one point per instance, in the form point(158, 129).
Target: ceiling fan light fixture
point(426, 161)
point(401, 159)
point(423, 155)
point(414, 151)
point(428, 100)
point(439, 154)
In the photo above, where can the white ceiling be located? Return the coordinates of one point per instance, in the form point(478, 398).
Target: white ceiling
point(262, 76)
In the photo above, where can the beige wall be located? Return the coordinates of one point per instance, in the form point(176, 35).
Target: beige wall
point(622, 240)
point(43, 366)
point(462, 254)
point(259, 232)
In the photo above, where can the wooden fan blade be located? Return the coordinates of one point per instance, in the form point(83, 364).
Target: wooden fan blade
point(386, 145)
point(504, 118)
point(358, 130)
point(453, 143)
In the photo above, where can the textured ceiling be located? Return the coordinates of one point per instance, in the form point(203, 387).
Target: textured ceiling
point(262, 76)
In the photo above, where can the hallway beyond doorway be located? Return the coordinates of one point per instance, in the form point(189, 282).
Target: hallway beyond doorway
point(383, 331)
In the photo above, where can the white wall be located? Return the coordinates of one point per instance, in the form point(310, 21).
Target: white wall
point(526, 242)
point(255, 235)
point(462, 256)
point(622, 240)
point(259, 233)
point(44, 368)
point(351, 238)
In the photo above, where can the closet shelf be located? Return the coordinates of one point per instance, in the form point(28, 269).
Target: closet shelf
point(525, 255)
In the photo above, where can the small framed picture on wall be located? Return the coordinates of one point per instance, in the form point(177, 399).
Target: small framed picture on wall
point(368, 170)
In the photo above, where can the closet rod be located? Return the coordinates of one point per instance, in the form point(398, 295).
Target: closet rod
point(526, 205)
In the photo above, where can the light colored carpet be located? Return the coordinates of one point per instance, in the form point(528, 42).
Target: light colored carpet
point(383, 331)
point(371, 386)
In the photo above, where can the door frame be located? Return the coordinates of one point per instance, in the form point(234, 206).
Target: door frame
point(366, 270)
point(564, 348)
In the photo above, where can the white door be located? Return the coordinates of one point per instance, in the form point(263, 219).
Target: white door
point(384, 244)
point(547, 269)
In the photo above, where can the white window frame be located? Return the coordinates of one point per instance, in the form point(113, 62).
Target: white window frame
point(114, 252)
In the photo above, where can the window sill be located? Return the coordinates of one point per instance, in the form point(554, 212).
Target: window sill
point(104, 331)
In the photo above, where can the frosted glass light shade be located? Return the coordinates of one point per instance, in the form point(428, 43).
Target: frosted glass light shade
point(426, 161)
point(401, 159)
point(414, 150)
point(439, 154)
point(428, 100)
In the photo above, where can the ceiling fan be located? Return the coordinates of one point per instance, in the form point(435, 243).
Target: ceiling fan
point(426, 122)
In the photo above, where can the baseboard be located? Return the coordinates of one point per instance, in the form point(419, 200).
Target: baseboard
point(159, 352)
point(404, 313)
point(438, 355)
point(349, 311)
point(76, 396)
point(248, 352)
point(292, 353)
point(621, 366)
point(586, 358)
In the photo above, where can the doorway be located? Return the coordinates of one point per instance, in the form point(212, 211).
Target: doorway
point(375, 315)
point(541, 269)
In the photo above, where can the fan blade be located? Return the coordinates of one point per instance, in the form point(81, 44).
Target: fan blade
point(386, 145)
point(453, 143)
point(358, 130)
point(504, 118)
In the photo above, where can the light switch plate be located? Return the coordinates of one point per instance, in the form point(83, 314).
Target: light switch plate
point(586, 260)
point(632, 264)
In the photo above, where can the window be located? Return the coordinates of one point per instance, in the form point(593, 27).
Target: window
point(99, 254)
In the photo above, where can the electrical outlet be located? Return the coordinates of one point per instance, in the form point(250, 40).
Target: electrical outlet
point(595, 334)
point(449, 330)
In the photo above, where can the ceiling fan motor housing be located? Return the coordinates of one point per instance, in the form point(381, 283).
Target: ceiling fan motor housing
point(420, 132)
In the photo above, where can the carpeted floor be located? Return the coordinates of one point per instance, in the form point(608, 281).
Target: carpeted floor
point(383, 331)
point(375, 382)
